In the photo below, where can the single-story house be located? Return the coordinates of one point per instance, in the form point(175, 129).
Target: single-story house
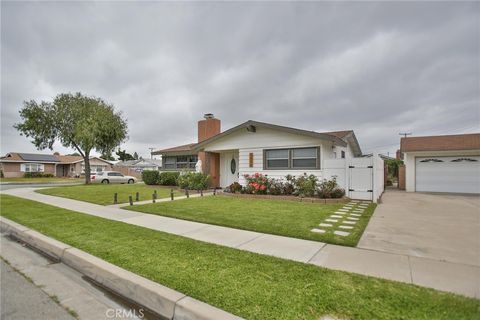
point(270, 149)
point(15, 165)
point(449, 163)
point(141, 164)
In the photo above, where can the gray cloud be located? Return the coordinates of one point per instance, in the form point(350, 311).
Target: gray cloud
point(377, 68)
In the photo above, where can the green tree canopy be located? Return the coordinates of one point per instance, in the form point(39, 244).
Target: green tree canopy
point(76, 121)
point(123, 155)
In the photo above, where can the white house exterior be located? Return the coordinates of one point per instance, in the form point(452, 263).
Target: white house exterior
point(277, 151)
point(442, 163)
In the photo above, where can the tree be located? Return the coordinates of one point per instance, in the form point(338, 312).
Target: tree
point(135, 155)
point(74, 154)
point(107, 156)
point(123, 155)
point(76, 121)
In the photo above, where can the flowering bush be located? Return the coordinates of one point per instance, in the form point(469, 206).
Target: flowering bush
point(305, 185)
point(330, 189)
point(257, 183)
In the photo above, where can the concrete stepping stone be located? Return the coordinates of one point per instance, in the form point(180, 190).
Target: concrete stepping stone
point(357, 210)
point(342, 209)
point(349, 222)
point(355, 214)
point(325, 225)
point(335, 216)
point(351, 218)
point(345, 227)
point(331, 220)
point(338, 212)
point(318, 230)
point(348, 206)
point(341, 233)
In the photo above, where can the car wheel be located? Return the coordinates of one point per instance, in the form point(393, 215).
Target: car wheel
point(105, 181)
point(131, 181)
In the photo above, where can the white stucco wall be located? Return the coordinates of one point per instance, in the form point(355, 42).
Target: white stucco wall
point(410, 157)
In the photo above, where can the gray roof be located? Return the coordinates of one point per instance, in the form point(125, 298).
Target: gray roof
point(38, 157)
point(252, 124)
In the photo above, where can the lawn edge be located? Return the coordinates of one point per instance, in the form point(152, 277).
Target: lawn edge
point(153, 296)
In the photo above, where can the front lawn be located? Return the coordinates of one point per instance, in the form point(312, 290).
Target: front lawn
point(285, 218)
point(249, 285)
point(104, 193)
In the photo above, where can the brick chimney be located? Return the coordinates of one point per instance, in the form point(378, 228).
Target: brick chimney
point(208, 127)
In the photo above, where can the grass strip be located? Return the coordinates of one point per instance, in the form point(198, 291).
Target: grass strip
point(104, 194)
point(279, 217)
point(250, 285)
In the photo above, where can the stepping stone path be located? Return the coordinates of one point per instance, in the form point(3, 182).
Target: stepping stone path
point(346, 217)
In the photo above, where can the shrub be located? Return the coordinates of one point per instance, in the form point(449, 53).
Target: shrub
point(150, 177)
point(305, 186)
point(235, 187)
point(337, 193)
point(276, 187)
point(37, 175)
point(193, 180)
point(288, 186)
point(168, 178)
point(257, 183)
point(329, 189)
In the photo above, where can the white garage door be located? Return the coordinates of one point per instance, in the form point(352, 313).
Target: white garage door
point(448, 174)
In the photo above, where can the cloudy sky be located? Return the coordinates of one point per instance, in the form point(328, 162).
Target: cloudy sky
point(378, 68)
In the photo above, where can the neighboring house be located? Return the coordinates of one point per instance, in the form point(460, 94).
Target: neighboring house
point(15, 164)
point(269, 149)
point(449, 163)
point(141, 164)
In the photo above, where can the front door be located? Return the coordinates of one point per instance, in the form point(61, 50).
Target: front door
point(228, 168)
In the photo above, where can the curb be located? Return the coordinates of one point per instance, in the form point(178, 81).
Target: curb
point(161, 300)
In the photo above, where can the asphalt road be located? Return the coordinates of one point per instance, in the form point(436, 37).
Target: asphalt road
point(21, 299)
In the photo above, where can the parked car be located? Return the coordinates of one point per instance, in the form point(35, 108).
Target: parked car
point(107, 177)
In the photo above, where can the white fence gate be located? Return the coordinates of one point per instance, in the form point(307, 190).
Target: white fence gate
point(360, 176)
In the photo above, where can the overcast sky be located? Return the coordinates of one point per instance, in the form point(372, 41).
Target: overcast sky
point(377, 68)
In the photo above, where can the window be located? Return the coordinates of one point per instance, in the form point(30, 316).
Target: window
point(31, 167)
point(343, 154)
point(180, 162)
point(295, 158)
point(304, 158)
point(277, 159)
point(94, 168)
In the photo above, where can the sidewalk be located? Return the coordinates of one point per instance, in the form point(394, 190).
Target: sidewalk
point(445, 276)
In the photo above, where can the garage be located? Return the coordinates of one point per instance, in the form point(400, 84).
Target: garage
point(459, 174)
point(449, 163)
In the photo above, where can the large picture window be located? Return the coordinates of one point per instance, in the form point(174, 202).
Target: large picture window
point(32, 167)
point(292, 159)
point(180, 162)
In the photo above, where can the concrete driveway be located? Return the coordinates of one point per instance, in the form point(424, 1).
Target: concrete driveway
point(440, 227)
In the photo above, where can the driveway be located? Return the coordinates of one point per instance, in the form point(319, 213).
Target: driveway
point(441, 227)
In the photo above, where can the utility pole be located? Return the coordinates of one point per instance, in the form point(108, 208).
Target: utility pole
point(405, 134)
point(151, 150)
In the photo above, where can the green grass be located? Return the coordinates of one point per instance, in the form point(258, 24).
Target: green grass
point(103, 194)
point(285, 218)
point(41, 180)
point(250, 285)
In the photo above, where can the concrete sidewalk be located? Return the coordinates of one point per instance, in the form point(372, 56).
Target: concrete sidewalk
point(453, 277)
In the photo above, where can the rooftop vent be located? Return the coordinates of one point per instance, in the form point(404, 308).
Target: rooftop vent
point(208, 116)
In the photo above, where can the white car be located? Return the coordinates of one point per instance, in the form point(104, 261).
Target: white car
point(107, 177)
